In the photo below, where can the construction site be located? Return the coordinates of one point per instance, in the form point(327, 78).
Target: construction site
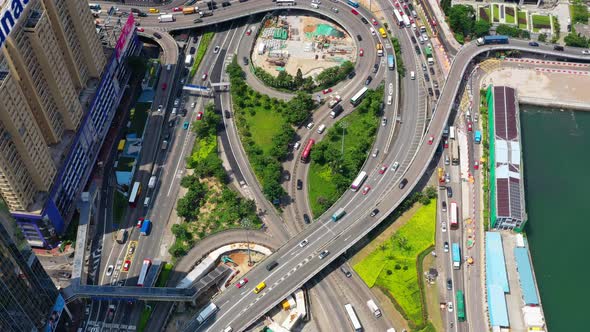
point(288, 43)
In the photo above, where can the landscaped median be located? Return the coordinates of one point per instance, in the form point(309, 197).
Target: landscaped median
point(393, 265)
point(203, 46)
point(266, 127)
point(332, 169)
point(208, 205)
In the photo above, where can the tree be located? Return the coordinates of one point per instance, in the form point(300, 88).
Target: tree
point(542, 38)
point(481, 28)
point(298, 78)
point(462, 19)
point(575, 40)
point(430, 192)
point(446, 6)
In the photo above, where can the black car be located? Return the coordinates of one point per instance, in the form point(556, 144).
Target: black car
point(369, 79)
point(135, 10)
point(359, 37)
point(376, 68)
point(417, 48)
point(449, 284)
point(430, 91)
point(192, 50)
point(157, 35)
point(299, 184)
point(346, 272)
point(426, 77)
point(402, 184)
point(364, 20)
point(225, 4)
point(351, 75)
point(413, 39)
point(142, 14)
point(197, 20)
point(306, 219)
point(534, 44)
point(444, 206)
point(558, 48)
point(437, 93)
point(272, 265)
point(171, 123)
point(166, 136)
point(374, 212)
point(449, 192)
point(246, 61)
point(431, 71)
point(183, 112)
point(195, 39)
point(227, 114)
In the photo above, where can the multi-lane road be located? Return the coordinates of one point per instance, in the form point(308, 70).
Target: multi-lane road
point(296, 265)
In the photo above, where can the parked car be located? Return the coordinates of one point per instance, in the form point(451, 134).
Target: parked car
point(306, 219)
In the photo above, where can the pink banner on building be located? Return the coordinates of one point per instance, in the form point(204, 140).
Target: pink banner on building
point(126, 34)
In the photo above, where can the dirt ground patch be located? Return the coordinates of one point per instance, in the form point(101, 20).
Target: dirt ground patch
point(302, 42)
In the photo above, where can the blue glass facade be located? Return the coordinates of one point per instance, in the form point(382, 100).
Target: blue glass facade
point(42, 229)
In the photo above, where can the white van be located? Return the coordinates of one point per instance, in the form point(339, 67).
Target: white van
point(315, 5)
point(412, 75)
point(430, 61)
point(422, 28)
point(372, 31)
point(168, 67)
point(413, 26)
point(174, 111)
point(297, 145)
point(310, 125)
point(152, 182)
point(321, 128)
point(228, 329)
point(146, 202)
point(389, 100)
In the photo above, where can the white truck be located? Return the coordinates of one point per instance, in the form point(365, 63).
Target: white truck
point(152, 182)
point(374, 308)
point(334, 101)
point(207, 312)
point(166, 18)
point(188, 61)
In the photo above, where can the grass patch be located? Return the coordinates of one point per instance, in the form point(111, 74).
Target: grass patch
point(509, 15)
point(138, 116)
point(522, 20)
point(143, 319)
point(483, 109)
point(484, 14)
point(578, 12)
point(264, 123)
point(393, 266)
point(120, 203)
point(496, 12)
point(331, 172)
point(164, 275)
point(541, 22)
point(203, 46)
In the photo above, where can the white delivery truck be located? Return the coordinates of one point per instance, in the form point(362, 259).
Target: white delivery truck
point(374, 308)
point(166, 18)
point(188, 61)
point(152, 183)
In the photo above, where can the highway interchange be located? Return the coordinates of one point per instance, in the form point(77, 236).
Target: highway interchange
point(398, 141)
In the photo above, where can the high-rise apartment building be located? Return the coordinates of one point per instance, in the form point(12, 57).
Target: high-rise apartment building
point(29, 301)
point(55, 110)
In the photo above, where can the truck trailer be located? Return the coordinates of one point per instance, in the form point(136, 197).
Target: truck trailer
point(487, 40)
point(336, 111)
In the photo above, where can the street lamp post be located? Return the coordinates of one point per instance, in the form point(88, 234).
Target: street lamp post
point(343, 125)
point(247, 224)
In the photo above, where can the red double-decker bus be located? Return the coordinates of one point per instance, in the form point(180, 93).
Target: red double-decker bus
point(307, 151)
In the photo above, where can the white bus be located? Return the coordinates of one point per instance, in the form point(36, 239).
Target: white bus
point(356, 99)
point(398, 18)
point(358, 182)
point(452, 132)
point(135, 193)
point(454, 222)
point(144, 270)
point(353, 318)
point(285, 2)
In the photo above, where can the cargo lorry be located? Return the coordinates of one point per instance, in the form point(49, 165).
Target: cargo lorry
point(487, 40)
point(166, 18)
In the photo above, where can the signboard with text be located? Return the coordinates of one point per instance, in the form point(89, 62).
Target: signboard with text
point(125, 37)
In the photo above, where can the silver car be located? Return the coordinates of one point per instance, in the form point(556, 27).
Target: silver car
point(395, 166)
point(323, 254)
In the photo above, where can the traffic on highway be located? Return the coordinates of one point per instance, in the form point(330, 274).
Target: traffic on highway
point(418, 135)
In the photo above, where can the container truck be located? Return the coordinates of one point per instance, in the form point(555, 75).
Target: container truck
point(456, 256)
point(166, 18)
point(487, 40)
point(206, 313)
point(145, 227)
point(189, 10)
point(338, 214)
point(336, 111)
point(334, 101)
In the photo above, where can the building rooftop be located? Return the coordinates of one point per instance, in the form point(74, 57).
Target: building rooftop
point(525, 276)
point(496, 280)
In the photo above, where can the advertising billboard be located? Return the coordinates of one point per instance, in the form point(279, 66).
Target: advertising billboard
point(126, 35)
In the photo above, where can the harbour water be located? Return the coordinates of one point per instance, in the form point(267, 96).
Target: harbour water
point(556, 152)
